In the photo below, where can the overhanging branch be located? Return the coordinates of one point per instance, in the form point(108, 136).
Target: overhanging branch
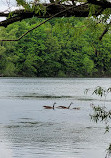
point(51, 10)
point(105, 31)
point(54, 10)
point(103, 4)
point(65, 10)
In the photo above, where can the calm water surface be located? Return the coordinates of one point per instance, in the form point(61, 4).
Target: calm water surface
point(27, 130)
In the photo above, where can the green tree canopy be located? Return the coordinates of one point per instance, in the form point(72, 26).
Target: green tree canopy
point(99, 9)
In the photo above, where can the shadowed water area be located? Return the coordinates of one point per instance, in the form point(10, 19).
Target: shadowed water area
point(27, 130)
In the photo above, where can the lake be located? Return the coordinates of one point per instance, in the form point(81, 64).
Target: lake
point(27, 130)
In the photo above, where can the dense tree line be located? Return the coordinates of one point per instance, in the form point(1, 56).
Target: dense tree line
point(66, 47)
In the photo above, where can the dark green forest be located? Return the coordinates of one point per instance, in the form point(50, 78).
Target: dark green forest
point(63, 47)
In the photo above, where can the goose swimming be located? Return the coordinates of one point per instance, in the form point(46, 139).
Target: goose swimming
point(50, 107)
point(64, 107)
point(76, 108)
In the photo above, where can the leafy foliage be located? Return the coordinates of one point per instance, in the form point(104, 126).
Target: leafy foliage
point(65, 47)
point(101, 91)
point(101, 113)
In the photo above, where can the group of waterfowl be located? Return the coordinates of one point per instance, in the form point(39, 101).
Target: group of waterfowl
point(61, 107)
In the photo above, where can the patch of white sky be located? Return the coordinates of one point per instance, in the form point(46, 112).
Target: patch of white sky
point(6, 5)
point(10, 5)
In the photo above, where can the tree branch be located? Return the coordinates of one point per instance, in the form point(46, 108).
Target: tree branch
point(65, 10)
point(103, 4)
point(51, 10)
point(105, 31)
point(54, 10)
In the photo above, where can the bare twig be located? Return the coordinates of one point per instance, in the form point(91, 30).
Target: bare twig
point(105, 31)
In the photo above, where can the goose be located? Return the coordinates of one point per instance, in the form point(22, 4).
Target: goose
point(65, 107)
point(49, 107)
point(76, 108)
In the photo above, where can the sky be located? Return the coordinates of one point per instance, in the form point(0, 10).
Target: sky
point(5, 4)
point(8, 5)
